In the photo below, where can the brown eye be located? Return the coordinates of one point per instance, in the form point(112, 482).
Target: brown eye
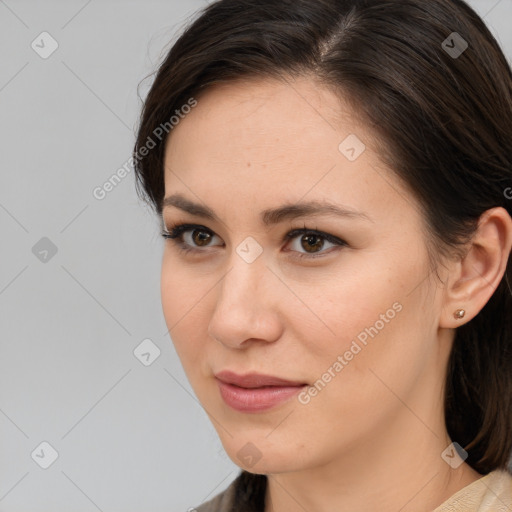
point(312, 242)
point(200, 237)
point(189, 236)
point(305, 241)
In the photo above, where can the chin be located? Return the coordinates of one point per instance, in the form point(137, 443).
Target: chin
point(260, 455)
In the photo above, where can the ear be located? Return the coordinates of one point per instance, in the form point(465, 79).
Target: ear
point(474, 278)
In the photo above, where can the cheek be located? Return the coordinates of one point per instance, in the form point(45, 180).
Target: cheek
point(368, 325)
point(355, 386)
point(344, 306)
point(182, 288)
point(183, 299)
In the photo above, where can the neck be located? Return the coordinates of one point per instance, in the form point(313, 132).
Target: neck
point(403, 471)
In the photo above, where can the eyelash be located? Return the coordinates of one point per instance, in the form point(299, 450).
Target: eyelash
point(175, 234)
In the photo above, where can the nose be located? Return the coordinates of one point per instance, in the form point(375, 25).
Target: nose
point(246, 305)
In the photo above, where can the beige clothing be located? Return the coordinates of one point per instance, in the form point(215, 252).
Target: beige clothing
point(491, 493)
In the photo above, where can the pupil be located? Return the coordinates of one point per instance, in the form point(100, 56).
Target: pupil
point(203, 237)
point(309, 238)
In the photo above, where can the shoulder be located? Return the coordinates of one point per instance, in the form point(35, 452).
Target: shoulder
point(491, 493)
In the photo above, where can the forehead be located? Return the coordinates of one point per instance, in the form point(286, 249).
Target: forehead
point(278, 142)
point(262, 124)
point(289, 109)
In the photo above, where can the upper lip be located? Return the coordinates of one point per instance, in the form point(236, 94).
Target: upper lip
point(254, 380)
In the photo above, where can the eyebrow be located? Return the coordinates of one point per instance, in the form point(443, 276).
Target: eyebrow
point(270, 216)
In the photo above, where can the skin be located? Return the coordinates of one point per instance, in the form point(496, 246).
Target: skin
point(372, 438)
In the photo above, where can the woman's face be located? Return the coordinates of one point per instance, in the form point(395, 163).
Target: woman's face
point(357, 324)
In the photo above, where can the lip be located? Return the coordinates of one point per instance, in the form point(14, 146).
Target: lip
point(254, 380)
point(254, 392)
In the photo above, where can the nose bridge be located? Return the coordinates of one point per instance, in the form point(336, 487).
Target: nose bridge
point(244, 307)
point(243, 284)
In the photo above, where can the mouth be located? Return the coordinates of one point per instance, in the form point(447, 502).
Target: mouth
point(253, 393)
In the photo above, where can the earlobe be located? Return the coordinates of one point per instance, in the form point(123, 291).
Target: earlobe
point(459, 314)
point(480, 271)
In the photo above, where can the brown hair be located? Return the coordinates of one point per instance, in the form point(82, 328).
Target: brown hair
point(442, 112)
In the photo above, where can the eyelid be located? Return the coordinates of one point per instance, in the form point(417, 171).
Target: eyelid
point(176, 231)
point(300, 231)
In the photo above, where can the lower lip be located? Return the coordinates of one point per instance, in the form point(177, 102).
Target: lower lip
point(256, 399)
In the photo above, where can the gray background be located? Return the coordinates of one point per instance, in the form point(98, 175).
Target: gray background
point(129, 436)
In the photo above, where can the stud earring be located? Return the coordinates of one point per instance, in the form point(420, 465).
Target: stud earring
point(459, 314)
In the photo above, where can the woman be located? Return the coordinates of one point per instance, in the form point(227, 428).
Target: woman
point(333, 180)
